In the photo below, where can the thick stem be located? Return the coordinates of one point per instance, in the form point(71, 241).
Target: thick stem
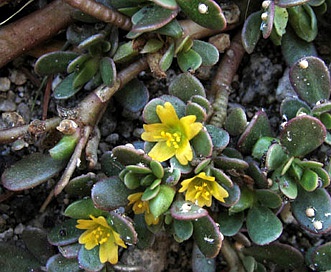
point(102, 13)
point(11, 134)
point(231, 257)
point(221, 84)
point(19, 37)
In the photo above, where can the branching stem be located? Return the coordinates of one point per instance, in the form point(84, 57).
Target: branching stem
point(221, 84)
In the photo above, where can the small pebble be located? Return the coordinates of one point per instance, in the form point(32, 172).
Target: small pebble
point(7, 105)
point(17, 77)
point(19, 228)
point(4, 84)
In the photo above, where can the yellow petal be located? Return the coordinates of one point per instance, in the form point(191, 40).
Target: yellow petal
point(161, 152)
point(88, 240)
point(184, 153)
point(86, 224)
point(118, 239)
point(101, 221)
point(203, 176)
point(134, 197)
point(185, 183)
point(152, 132)
point(167, 114)
point(191, 129)
point(108, 251)
point(218, 191)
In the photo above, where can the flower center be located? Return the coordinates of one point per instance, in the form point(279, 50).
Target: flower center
point(202, 191)
point(101, 235)
point(172, 139)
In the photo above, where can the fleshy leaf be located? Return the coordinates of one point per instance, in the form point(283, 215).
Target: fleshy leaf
point(321, 257)
point(319, 200)
point(183, 210)
point(251, 33)
point(302, 134)
point(110, 194)
point(31, 171)
point(230, 224)
point(161, 203)
point(285, 256)
point(206, 13)
point(310, 78)
point(236, 121)
point(82, 209)
point(189, 61)
point(263, 225)
point(209, 53)
point(258, 127)
point(108, 71)
point(290, 3)
point(133, 96)
point(183, 229)
point(124, 226)
point(89, 259)
point(200, 262)
point(64, 234)
point(207, 236)
point(202, 144)
point(65, 88)
point(186, 85)
point(54, 62)
point(59, 263)
point(291, 105)
point(151, 18)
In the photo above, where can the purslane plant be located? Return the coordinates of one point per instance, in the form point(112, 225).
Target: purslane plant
point(188, 177)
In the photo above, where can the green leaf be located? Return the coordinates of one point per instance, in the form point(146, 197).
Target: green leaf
point(17, 259)
point(206, 13)
point(310, 78)
point(246, 201)
point(166, 60)
point(161, 203)
point(263, 225)
point(189, 61)
point(82, 209)
point(202, 144)
point(152, 17)
point(65, 147)
point(280, 20)
point(302, 134)
point(65, 89)
point(230, 224)
point(285, 256)
point(268, 198)
point(207, 51)
point(65, 233)
point(123, 225)
point(54, 62)
point(200, 262)
point(183, 210)
point(309, 180)
point(276, 157)
point(108, 71)
point(321, 257)
point(58, 263)
point(258, 127)
point(31, 171)
point(303, 21)
point(320, 201)
point(183, 230)
point(168, 4)
point(86, 73)
point(207, 236)
point(236, 121)
point(89, 259)
point(110, 194)
point(133, 96)
point(251, 33)
point(186, 85)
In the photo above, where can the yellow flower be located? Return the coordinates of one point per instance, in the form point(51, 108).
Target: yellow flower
point(172, 135)
point(140, 207)
point(98, 232)
point(201, 188)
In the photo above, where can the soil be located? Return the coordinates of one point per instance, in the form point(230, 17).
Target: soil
point(21, 101)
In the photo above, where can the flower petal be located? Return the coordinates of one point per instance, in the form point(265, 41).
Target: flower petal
point(218, 191)
point(86, 224)
point(109, 251)
point(134, 197)
point(118, 239)
point(100, 221)
point(161, 152)
point(184, 153)
point(185, 183)
point(167, 114)
point(191, 129)
point(88, 239)
point(152, 132)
